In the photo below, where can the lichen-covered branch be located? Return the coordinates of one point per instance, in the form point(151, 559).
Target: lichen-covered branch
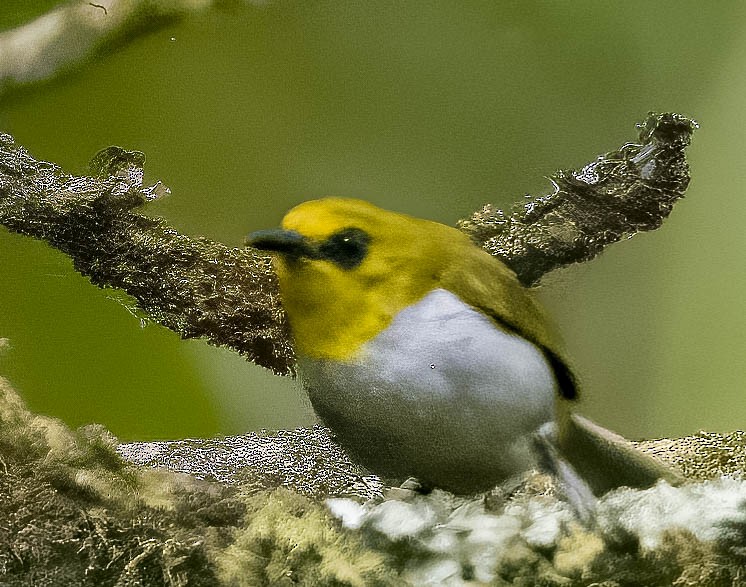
point(200, 288)
point(66, 36)
point(73, 513)
point(307, 460)
point(197, 288)
point(621, 193)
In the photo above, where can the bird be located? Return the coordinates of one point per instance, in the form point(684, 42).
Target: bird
point(427, 358)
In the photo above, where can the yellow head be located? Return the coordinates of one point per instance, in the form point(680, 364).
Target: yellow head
point(347, 267)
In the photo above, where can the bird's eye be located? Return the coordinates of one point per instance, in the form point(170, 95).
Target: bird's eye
point(347, 248)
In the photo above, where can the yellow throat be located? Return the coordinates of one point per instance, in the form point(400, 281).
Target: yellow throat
point(333, 310)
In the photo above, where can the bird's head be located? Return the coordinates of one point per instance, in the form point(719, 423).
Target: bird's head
point(346, 267)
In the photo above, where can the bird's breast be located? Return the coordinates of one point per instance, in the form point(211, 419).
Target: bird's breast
point(443, 393)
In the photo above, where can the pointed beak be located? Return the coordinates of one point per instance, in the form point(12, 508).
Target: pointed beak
point(287, 242)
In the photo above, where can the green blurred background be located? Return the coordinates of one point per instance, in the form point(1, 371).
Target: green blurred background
point(429, 108)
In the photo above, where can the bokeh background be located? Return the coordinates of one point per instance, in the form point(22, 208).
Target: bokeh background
point(428, 108)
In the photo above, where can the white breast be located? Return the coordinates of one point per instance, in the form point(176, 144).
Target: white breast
point(443, 394)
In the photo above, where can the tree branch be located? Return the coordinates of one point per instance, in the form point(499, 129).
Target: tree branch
point(200, 288)
point(196, 287)
point(66, 36)
point(621, 193)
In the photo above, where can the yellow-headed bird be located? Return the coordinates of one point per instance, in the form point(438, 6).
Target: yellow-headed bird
point(423, 353)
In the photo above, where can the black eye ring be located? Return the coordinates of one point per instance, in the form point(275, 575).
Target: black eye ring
point(346, 248)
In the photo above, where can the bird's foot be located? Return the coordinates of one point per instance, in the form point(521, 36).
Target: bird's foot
point(408, 490)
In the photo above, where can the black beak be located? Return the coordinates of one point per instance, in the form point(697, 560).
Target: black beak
point(287, 242)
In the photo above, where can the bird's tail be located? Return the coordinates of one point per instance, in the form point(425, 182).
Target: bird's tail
point(590, 460)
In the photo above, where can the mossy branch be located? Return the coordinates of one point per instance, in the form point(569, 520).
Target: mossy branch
point(621, 193)
point(72, 513)
point(195, 287)
point(200, 288)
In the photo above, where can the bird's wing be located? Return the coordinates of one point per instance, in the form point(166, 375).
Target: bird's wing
point(601, 458)
point(485, 283)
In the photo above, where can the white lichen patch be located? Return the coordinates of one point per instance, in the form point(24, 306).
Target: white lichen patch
point(707, 509)
point(456, 542)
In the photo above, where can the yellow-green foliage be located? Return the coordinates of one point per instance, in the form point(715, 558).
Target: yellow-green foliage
point(290, 540)
point(83, 463)
point(72, 513)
